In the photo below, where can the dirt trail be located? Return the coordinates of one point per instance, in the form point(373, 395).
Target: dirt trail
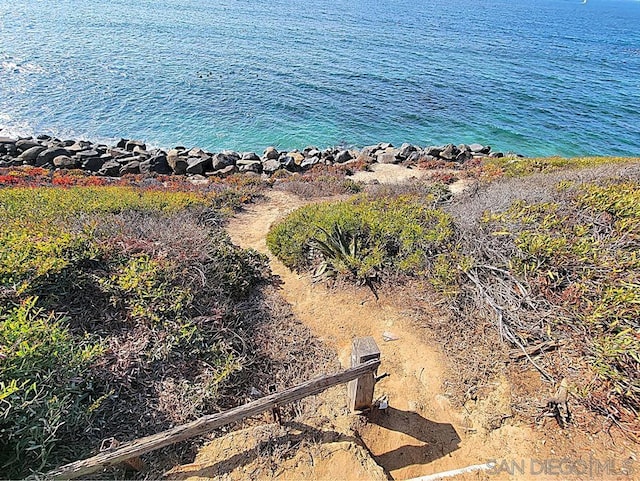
point(419, 433)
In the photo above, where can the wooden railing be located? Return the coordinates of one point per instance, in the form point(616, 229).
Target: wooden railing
point(365, 361)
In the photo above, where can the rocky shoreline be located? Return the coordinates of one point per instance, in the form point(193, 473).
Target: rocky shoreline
point(133, 157)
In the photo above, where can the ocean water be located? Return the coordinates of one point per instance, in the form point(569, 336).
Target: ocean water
point(538, 77)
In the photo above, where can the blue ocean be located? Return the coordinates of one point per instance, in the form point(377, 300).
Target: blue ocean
point(537, 77)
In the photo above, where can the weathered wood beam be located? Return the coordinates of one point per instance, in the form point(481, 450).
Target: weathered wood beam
point(209, 423)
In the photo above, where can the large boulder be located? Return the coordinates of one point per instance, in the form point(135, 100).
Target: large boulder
point(388, 156)
point(64, 162)
point(297, 157)
point(132, 144)
point(31, 154)
point(310, 162)
point(250, 166)
point(342, 156)
point(479, 149)
point(132, 167)
point(221, 160)
point(110, 169)
point(26, 144)
point(449, 152)
point(93, 164)
point(198, 165)
point(225, 171)
point(156, 164)
point(177, 161)
point(47, 156)
point(86, 154)
point(250, 156)
point(433, 151)
point(269, 166)
point(406, 150)
point(289, 163)
point(271, 153)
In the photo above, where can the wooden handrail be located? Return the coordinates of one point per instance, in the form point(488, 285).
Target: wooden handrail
point(209, 423)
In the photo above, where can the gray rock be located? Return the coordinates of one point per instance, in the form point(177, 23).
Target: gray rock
point(174, 157)
point(141, 152)
point(406, 150)
point(180, 165)
point(250, 156)
point(47, 156)
point(110, 169)
point(310, 162)
point(386, 158)
point(496, 155)
point(30, 155)
point(433, 151)
point(269, 166)
point(312, 152)
point(132, 167)
point(7, 140)
point(64, 162)
point(476, 148)
point(289, 163)
point(118, 153)
point(197, 152)
point(342, 156)
point(271, 153)
point(414, 157)
point(232, 154)
point(93, 164)
point(26, 144)
point(156, 164)
point(122, 143)
point(449, 152)
point(220, 161)
point(250, 166)
point(86, 154)
point(124, 160)
point(226, 171)
point(131, 144)
point(464, 155)
point(384, 145)
point(198, 165)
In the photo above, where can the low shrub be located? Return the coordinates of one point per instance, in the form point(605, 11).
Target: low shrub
point(45, 386)
point(110, 293)
point(362, 238)
point(563, 264)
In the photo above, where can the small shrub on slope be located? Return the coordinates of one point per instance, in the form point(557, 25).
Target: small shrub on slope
point(362, 238)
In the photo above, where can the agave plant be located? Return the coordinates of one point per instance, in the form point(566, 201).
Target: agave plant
point(340, 251)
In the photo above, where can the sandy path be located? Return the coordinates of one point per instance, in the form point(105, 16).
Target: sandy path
point(420, 433)
point(417, 429)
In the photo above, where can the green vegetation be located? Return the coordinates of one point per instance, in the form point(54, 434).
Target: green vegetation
point(522, 166)
point(580, 252)
point(362, 238)
point(107, 294)
point(566, 267)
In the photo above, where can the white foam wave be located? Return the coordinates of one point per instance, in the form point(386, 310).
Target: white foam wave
point(10, 66)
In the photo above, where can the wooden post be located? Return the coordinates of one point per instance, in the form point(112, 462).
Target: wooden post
point(209, 423)
point(361, 390)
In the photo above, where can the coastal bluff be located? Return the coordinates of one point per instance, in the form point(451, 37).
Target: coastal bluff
point(133, 157)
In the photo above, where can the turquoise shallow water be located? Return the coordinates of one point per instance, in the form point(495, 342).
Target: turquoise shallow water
point(538, 77)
